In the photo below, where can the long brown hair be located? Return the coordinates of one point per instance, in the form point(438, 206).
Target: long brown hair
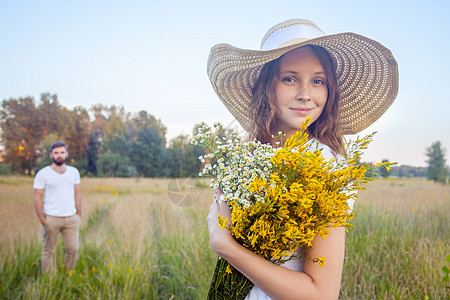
point(262, 109)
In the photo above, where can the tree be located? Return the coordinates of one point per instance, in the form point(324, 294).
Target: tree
point(383, 170)
point(117, 119)
point(173, 162)
point(115, 160)
point(49, 113)
point(147, 152)
point(115, 165)
point(181, 159)
point(75, 130)
point(120, 144)
point(145, 120)
point(92, 151)
point(436, 163)
point(21, 133)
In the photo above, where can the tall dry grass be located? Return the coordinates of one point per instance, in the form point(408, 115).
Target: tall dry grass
point(400, 241)
point(136, 243)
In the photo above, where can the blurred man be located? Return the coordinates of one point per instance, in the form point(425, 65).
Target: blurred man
point(58, 185)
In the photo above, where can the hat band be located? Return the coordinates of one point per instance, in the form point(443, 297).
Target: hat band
point(286, 34)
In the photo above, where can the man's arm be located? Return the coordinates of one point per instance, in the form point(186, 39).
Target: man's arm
point(78, 198)
point(38, 205)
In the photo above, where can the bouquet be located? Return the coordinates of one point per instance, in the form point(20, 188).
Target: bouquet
point(280, 197)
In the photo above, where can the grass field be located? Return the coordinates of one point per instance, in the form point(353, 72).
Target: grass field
point(136, 243)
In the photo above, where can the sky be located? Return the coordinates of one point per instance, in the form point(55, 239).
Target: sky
point(151, 55)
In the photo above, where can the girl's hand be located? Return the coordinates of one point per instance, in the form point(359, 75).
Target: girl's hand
point(220, 239)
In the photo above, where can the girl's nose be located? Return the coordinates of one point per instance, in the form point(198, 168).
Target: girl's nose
point(303, 92)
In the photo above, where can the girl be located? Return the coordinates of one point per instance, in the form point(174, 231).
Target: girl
point(343, 82)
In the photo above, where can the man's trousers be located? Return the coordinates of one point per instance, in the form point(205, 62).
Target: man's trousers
point(68, 227)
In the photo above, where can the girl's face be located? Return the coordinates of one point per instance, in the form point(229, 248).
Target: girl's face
point(300, 89)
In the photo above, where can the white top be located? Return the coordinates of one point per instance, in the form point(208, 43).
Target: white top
point(59, 194)
point(295, 264)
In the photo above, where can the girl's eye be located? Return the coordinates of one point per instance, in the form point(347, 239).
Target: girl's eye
point(319, 81)
point(288, 80)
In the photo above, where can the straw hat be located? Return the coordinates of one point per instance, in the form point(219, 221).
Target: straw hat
point(366, 70)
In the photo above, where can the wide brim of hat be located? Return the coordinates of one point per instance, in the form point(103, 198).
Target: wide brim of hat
point(366, 70)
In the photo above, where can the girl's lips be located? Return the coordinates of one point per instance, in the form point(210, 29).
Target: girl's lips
point(301, 110)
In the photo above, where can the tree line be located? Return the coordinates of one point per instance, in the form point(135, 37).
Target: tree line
point(102, 140)
point(436, 170)
point(108, 141)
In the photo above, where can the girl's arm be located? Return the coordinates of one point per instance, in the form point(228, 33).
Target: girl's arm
point(275, 281)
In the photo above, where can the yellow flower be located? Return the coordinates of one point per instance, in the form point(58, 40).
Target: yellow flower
point(282, 198)
point(222, 221)
point(321, 261)
point(228, 270)
point(324, 233)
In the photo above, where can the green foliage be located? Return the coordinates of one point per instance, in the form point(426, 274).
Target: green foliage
point(5, 169)
point(144, 120)
point(92, 151)
point(115, 165)
point(147, 152)
point(407, 171)
point(436, 170)
point(181, 158)
point(120, 144)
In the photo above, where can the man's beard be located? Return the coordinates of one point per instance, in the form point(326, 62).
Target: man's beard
point(60, 161)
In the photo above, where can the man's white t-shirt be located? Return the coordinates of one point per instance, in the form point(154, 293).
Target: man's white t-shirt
point(59, 190)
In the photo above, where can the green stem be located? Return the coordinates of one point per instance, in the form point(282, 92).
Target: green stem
point(226, 286)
